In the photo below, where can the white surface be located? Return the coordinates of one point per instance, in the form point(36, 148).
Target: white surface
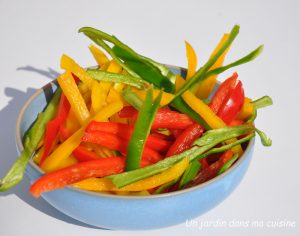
point(34, 34)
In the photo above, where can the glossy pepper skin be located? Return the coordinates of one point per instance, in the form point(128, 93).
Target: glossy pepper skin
point(185, 139)
point(63, 177)
point(221, 95)
point(125, 131)
point(165, 118)
point(231, 108)
point(114, 142)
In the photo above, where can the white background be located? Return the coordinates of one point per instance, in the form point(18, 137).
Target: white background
point(34, 34)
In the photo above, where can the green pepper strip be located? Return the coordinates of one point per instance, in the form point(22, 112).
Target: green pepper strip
point(132, 98)
point(141, 130)
point(225, 147)
point(102, 44)
point(31, 141)
point(150, 70)
point(210, 139)
point(265, 140)
point(263, 102)
point(200, 74)
point(228, 164)
point(190, 173)
point(129, 51)
point(117, 78)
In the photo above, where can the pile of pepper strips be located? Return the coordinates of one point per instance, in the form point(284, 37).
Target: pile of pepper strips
point(116, 119)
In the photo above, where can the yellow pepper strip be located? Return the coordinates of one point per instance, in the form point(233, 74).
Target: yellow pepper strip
point(205, 112)
point(165, 100)
point(113, 96)
point(99, 56)
point(70, 160)
point(71, 123)
point(105, 66)
point(117, 118)
point(97, 97)
point(71, 91)
point(205, 88)
point(96, 148)
point(114, 68)
point(69, 64)
point(247, 109)
point(107, 152)
point(65, 149)
point(102, 184)
point(192, 60)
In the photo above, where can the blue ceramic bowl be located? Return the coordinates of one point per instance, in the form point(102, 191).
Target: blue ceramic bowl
point(130, 212)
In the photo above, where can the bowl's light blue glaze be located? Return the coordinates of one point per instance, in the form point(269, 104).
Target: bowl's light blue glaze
point(131, 212)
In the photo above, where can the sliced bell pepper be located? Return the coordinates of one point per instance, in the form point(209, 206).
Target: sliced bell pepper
point(102, 184)
point(125, 131)
point(247, 109)
point(165, 118)
point(114, 142)
point(205, 112)
point(192, 60)
point(221, 95)
point(74, 96)
point(228, 164)
point(97, 97)
point(69, 64)
point(185, 139)
point(99, 56)
point(205, 88)
point(32, 139)
point(165, 100)
point(53, 126)
point(65, 149)
point(233, 105)
point(69, 175)
point(81, 153)
point(72, 124)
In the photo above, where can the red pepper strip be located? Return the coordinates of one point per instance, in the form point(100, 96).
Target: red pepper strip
point(221, 95)
point(81, 153)
point(176, 132)
point(127, 111)
point(125, 131)
point(171, 120)
point(165, 118)
point(74, 173)
point(185, 139)
point(64, 133)
point(204, 163)
point(230, 109)
point(53, 126)
point(114, 142)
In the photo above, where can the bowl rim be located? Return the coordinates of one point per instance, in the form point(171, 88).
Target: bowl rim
point(20, 147)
